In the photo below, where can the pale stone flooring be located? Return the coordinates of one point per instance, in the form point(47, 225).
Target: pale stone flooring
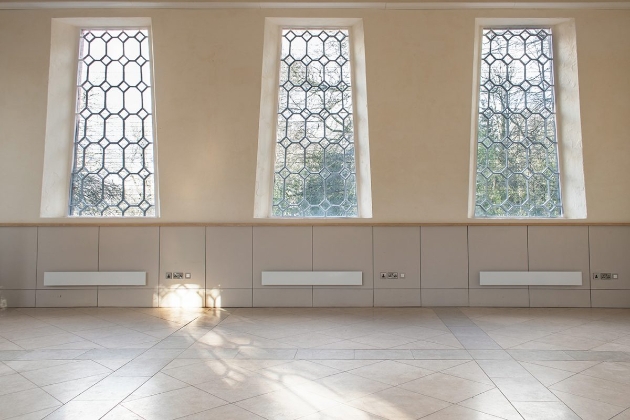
point(315, 363)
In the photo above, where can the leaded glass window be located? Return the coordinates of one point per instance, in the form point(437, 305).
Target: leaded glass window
point(517, 145)
point(315, 173)
point(113, 169)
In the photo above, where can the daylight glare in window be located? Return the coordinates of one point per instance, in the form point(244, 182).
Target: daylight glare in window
point(113, 165)
point(315, 172)
point(517, 146)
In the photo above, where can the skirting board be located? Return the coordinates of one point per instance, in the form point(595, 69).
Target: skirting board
point(100, 278)
point(530, 278)
point(312, 278)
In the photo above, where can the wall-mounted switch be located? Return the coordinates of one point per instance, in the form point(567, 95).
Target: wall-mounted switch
point(188, 275)
point(615, 276)
point(402, 275)
point(169, 275)
point(383, 275)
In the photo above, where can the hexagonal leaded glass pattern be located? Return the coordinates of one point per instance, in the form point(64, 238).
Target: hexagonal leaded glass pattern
point(517, 146)
point(113, 171)
point(315, 174)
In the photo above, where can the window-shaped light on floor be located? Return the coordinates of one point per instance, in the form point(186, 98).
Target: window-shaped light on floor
point(315, 171)
point(182, 296)
point(113, 165)
point(518, 172)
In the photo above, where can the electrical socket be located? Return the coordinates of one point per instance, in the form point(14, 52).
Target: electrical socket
point(178, 276)
point(392, 275)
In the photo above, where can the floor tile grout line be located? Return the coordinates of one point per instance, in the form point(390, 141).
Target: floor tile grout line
point(32, 412)
point(493, 382)
point(152, 376)
point(115, 370)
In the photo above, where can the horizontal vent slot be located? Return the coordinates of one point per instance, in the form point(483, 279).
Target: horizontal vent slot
point(530, 278)
point(312, 278)
point(92, 278)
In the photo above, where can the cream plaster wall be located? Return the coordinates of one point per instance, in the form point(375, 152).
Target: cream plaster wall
point(419, 83)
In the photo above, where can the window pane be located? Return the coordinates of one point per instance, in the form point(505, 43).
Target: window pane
point(517, 147)
point(113, 171)
point(315, 164)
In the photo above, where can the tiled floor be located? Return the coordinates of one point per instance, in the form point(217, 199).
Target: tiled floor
point(435, 364)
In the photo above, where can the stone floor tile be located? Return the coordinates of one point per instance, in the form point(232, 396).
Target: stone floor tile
point(25, 402)
point(526, 389)
point(224, 412)
point(546, 375)
point(587, 408)
point(112, 388)
point(446, 387)
point(595, 388)
point(383, 340)
point(345, 365)
point(238, 386)
point(399, 403)
point(345, 386)
point(616, 372)
point(173, 404)
point(66, 391)
point(456, 412)
point(545, 411)
point(492, 402)
point(66, 372)
point(340, 411)
point(389, 354)
point(391, 372)
point(434, 365)
point(325, 354)
point(470, 371)
point(301, 368)
point(441, 354)
point(121, 413)
point(625, 415)
point(84, 410)
point(37, 415)
point(503, 368)
point(286, 404)
point(14, 383)
point(576, 366)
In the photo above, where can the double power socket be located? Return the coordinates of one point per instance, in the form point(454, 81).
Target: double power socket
point(605, 276)
point(177, 276)
point(392, 275)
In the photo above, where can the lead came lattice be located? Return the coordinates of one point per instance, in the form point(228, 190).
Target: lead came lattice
point(113, 170)
point(315, 174)
point(517, 149)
